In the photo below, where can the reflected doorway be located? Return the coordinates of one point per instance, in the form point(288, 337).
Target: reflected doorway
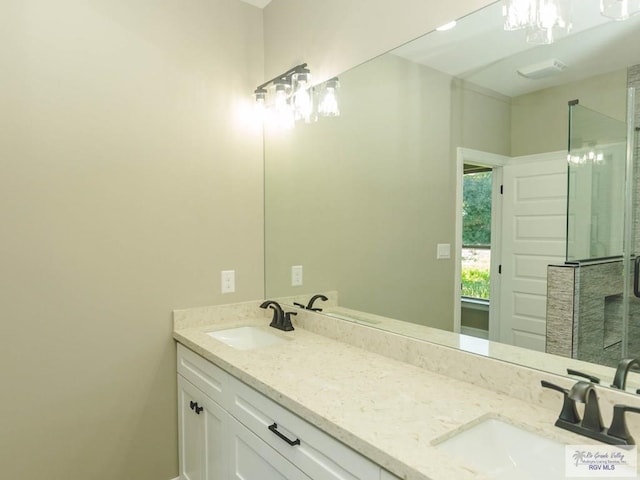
point(475, 268)
point(478, 233)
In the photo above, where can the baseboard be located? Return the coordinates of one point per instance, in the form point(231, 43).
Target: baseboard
point(474, 332)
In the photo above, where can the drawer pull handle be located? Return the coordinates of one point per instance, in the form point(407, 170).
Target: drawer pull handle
point(274, 429)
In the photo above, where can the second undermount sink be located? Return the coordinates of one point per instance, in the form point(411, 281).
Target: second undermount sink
point(506, 452)
point(246, 338)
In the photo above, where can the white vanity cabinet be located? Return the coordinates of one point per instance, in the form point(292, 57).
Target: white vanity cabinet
point(203, 437)
point(228, 430)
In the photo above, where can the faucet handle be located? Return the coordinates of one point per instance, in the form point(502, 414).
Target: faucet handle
point(313, 299)
point(578, 373)
point(296, 304)
point(618, 426)
point(624, 365)
point(287, 326)
point(569, 412)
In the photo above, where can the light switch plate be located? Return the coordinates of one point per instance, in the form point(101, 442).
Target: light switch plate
point(444, 251)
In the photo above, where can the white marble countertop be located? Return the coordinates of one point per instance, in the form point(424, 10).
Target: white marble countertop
point(389, 411)
point(490, 349)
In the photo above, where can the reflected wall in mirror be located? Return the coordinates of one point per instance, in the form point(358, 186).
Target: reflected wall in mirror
point(362, 201)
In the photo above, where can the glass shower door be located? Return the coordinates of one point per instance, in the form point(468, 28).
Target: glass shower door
point(596, 203)
point(599, 242)
point(631, 313)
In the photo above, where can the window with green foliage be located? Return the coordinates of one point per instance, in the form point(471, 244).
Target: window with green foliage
point(476, 234)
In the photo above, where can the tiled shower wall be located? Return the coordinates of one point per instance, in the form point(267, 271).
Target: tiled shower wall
point(561, 301)
point(584, 311)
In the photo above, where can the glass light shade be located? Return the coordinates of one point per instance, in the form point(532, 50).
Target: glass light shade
point(328, 104)
point(552, 21)
point(302, 97)
point(619, 9)
point(300, 81)
point(518, 14)
point(280, 91)
point(280, 95)
point(260, 104)
point(303, 105)
point(283, 112)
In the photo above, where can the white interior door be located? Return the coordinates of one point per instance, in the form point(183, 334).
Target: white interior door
point(534, 219)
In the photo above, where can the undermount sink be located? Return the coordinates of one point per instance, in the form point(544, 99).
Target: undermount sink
point(506, 452)
point(246, 338)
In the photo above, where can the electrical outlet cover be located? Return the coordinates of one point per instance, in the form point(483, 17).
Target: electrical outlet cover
point(228, 281)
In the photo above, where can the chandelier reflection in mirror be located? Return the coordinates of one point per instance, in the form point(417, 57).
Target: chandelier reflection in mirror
point(546, 21)
point(290, 97)
point(586, 155)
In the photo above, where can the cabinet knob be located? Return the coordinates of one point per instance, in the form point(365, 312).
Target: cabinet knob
point(192, 405)
point(199, 409)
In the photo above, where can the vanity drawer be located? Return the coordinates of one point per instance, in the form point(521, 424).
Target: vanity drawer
point(314, 452)
point(211, 380)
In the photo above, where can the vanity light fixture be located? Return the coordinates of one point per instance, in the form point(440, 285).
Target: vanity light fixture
point(291, 97)
point(549, 20)
point(589, 154)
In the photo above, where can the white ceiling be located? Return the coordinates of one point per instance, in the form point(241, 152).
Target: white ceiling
point(258, 3)
point(479, 50)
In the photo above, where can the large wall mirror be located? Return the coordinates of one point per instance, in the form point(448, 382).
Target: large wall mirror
point(368, 203)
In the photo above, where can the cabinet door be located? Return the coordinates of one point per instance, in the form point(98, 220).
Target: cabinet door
point(203, 435)
point(253, 459)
